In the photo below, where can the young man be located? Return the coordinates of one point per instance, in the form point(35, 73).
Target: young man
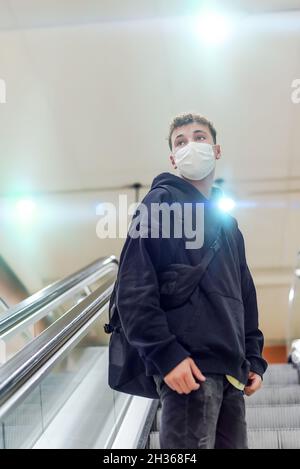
point(205, 352)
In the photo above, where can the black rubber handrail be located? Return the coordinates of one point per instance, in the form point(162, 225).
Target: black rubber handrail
point(48, 294)
point(22, 366)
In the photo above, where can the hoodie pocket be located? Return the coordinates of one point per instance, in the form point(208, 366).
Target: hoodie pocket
point(217, 325)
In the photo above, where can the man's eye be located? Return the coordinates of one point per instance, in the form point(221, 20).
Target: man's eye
point(201, 137)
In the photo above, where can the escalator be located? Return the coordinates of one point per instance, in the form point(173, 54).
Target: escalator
point(53, 377)
point(272, 414)
point(3, 306)
point(53, 374)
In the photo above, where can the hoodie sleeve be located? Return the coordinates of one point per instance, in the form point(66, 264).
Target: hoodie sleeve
point(254, 337)
point(144, 322)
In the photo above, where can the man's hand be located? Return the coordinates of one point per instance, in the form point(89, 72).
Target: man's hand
point(254, 384)
point(181, 378)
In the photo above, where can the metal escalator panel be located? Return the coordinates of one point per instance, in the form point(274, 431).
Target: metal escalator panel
point(72, 407)
point(54, 392)
point(22, 323)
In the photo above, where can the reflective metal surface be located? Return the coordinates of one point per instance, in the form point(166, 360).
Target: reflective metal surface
point(40, 299)
point(20, 325)
point(54, 392)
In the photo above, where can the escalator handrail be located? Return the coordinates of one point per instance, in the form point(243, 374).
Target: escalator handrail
point(4, 304)
point(22, 366)
point(48, 294)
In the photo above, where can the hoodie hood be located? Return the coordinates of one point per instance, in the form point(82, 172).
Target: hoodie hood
point(189, 192)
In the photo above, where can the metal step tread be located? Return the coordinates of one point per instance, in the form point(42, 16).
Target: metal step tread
point(275, 395)
point(257, 439)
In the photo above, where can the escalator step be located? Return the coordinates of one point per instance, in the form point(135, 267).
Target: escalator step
point(263, 439)
point(281, 375)
point(274, 439)
point(260, 439)
point(290, 439)
point(279, 367)
point(262, 417)
point(275, 395)
point(268, 417)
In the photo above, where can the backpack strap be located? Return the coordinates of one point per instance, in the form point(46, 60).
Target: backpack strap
point(212, 251)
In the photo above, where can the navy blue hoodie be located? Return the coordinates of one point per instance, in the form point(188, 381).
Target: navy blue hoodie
point(218, 325)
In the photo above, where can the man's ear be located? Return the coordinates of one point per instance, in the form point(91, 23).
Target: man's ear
point(173, 161)
point(217, 150)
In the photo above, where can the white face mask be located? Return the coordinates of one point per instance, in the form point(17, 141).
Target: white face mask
point(195, 161)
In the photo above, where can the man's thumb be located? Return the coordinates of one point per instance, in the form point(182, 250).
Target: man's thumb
point(196, 372)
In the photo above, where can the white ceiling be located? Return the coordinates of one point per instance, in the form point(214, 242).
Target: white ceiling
point(89, 105)
point(37, 13)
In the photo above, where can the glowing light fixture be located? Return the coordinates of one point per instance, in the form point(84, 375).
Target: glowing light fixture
point(213, 27)
point(25, 209)
point(226, 204)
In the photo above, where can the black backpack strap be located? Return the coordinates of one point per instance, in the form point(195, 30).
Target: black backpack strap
point(211, 252)
point(178, 282)
point(113, 317)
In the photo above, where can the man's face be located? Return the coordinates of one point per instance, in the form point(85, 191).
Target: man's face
point(193, 132)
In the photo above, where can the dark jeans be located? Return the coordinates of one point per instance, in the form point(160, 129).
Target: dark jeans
point(213, 417)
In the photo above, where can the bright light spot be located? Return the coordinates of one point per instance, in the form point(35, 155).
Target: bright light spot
point(226, 204)
point(297, 273)
point(291, 295)
point(80, 299)
point(100, 207)
point(214, 28)
point(25, 209)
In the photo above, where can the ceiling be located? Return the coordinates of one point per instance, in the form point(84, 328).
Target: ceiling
point(37, 13)
point(88, 106)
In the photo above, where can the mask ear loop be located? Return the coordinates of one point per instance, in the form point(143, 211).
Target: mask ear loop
point(220, 151)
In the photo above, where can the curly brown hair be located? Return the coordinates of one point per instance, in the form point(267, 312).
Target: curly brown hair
point(188, 118)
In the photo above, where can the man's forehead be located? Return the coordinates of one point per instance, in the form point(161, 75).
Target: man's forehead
point(189, 128)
